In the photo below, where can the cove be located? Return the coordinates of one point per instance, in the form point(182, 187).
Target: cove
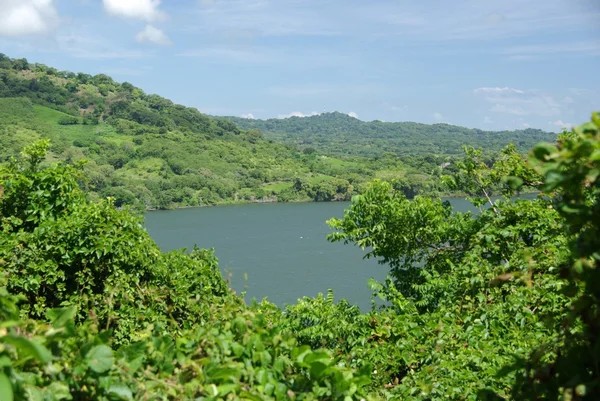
point(278, 251)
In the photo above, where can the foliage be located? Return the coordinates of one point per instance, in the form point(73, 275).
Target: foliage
point(338, 134)
point(149, 153)
point(108, 316)
point(569, 366)
point(500, 304)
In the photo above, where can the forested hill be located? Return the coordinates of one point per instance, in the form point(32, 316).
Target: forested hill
point(146, 151)
point(339, 134)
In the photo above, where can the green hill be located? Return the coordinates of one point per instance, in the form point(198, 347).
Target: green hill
point(339, 134)
point(148, 152)
point(145, 150)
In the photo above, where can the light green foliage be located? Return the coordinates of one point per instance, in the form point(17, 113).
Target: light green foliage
point(149, 153)
point(412, 237)
point(481, 179)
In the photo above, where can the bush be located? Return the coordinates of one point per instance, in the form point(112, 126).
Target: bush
point(68, 120)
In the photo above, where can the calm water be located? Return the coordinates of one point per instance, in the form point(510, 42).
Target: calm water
point(278, 251)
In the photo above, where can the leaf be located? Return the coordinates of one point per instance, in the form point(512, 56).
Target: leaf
point(59, 317)
point(224, 374)
point(317, 356)
point(28, 348)
point(100, 358)
point(248, 396)
point(225, 389)
point(6, 390)
point(59, 391)
point(33, 393)
point(121, 391)
point(317, 369)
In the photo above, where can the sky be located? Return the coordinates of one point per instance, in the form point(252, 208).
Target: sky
point(488, 64)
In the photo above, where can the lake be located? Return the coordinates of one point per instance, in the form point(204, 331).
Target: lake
point(278, 251)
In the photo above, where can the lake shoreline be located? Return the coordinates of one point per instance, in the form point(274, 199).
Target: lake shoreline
point(249, 202)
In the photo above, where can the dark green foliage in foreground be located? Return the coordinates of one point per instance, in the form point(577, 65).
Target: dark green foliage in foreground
point(500, 305)
point(339, 134)
point(106, 316)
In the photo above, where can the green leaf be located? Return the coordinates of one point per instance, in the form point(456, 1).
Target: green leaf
point(28, 348)
point(59, 317)
point(317, 356)
point(33, 393)
point(59, 391)
point(225, 389)
point(100, 358)
point(6, 390)
point(121, 391)
point(317, 369)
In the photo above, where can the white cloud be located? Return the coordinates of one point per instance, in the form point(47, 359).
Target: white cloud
point(438, 116)
point(146, 10)
point(519, 102)
point(353, 115)
point(248, 115)
point(487, 120)
point(26, 17)
point(561, 124)
point(525, 125)
point(298, 114)
point(497, 90)
point(151, 34)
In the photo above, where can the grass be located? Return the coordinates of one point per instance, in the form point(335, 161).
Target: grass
point(47, 115)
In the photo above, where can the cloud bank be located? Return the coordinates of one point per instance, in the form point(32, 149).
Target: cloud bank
point(27, 17)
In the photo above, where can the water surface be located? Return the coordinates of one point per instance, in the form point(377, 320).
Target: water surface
point(278, 251)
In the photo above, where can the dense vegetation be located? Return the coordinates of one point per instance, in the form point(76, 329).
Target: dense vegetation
point(145, 151)
point(338, 134)
point(504, 304)
point(500, 305)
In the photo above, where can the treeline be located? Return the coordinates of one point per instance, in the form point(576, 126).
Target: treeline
point(338, 134)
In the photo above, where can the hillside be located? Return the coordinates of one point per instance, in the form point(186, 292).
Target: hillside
point(146, 151)
point(339, 134)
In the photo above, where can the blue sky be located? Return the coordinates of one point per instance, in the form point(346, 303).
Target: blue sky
point(493, 64)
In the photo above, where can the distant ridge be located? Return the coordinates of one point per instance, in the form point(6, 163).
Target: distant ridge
point(338, 133)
